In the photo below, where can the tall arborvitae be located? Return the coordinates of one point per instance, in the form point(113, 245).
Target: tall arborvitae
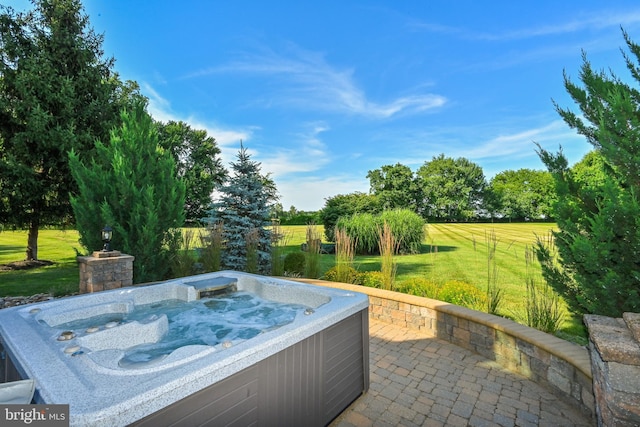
point(131, 186)
point(243, 209)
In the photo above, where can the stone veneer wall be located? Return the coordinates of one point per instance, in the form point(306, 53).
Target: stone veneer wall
point(615, 360)
point(561, 366)
point(103, 271)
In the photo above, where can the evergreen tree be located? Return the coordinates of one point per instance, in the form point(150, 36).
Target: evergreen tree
point(131, 185)
point(243, 209)
point(598, 207)
point(57, 93)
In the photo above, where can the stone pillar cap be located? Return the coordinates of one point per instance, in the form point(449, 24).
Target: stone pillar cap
point(105, 254)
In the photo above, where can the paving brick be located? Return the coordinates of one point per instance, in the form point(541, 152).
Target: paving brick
point(417, 380)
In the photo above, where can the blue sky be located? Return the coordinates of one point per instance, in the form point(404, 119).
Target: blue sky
point(321, 92)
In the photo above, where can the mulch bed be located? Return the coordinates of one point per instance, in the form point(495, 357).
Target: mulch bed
point(24, 265)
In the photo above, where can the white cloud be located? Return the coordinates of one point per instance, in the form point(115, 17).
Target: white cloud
point(306, 80)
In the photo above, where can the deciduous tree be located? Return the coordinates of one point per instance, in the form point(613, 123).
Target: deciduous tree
point(523, 194)
point(452, 188)
point(198, 165)
point(395, 186)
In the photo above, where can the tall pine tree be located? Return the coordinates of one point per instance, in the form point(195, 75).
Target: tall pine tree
point(243, 209)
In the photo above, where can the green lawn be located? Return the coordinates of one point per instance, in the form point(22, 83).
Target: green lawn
point(450, 252)
point(54, 245)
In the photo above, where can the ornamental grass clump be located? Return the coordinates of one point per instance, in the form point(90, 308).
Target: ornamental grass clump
point(252, 239)
point(279, 240)
point(407, 227)
point(345, 252)
point(212, 240)
point(494, 293)
point(314, 243)
point(183, 261)
point(388, 246)
point(543, 306)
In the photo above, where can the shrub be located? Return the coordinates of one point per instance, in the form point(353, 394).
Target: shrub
point(279, 239)
point(419, 286)
point(348, 275)
point(363, 229)
point(294, 262)
point(464, 294)
point(372, 279)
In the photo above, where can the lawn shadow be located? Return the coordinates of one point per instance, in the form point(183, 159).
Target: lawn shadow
point(427, 249)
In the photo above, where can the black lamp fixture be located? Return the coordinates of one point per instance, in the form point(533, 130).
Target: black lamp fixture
point(107, 233)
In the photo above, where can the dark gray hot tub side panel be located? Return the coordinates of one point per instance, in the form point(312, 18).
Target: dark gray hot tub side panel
point(309, 383)
point(8, 371)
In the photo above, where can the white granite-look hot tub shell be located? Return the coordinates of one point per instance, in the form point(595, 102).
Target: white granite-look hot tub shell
point(101, 393)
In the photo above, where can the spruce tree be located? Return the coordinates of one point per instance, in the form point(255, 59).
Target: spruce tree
point(243, 210)
point(131, 185)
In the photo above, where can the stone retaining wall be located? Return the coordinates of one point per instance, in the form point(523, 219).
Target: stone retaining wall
point(559, 365)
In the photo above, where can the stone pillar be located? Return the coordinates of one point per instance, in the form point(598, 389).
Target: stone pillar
point(104, 270)
point(614, 345)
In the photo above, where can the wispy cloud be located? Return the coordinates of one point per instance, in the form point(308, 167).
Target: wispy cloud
point(305, 80)
point(309, 155)
point(519, 143)
point(493, 143)
point(602, 20)
point(606, 19)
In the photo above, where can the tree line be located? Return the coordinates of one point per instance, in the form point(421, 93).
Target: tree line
point(445, 189)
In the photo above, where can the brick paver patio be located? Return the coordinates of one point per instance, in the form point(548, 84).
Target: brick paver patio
point(418, 380)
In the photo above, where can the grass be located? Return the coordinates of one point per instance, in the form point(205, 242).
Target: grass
point(451, 252)
point(61, 278)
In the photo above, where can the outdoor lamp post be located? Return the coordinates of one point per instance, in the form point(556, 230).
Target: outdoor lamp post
point(107, 233)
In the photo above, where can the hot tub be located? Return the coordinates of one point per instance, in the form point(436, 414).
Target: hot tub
point(300, 373)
